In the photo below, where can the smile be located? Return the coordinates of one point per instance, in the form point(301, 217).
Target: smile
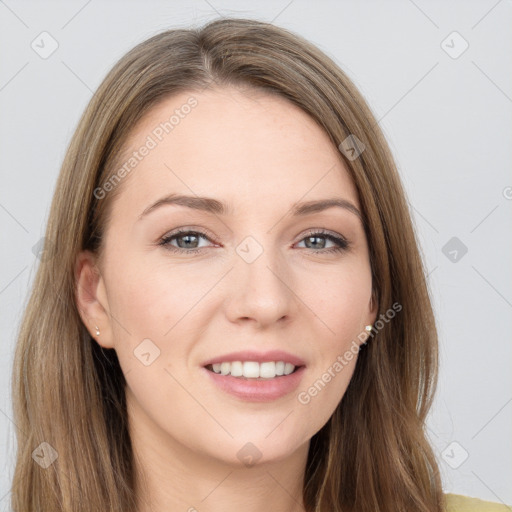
point(253, 369)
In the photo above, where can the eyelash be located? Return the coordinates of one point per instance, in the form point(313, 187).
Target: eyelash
point(343, 244)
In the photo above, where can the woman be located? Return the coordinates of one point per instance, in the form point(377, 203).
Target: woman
point(288, 355)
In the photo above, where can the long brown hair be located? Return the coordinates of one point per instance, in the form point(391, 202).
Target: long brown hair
point(68, 392)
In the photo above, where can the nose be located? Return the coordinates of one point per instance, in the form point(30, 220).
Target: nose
point(261, 291)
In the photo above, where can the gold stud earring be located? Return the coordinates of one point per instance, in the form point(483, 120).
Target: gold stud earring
point(97, 330)
point(369, 328)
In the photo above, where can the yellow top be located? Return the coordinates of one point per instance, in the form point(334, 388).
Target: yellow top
point(457, 503)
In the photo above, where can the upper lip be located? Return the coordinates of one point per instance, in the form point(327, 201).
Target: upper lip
point(259, 357)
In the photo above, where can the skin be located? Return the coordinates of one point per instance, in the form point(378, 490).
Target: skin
point(260, 154)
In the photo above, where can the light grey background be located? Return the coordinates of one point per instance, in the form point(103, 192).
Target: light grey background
point(448, 121)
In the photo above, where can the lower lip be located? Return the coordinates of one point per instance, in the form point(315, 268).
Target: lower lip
point(253, 390)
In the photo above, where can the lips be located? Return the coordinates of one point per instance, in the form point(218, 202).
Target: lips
point(257, 390)
point(258, 357)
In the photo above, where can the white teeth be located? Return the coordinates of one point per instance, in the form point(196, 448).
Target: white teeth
point(288, 368)
point(237, 369)
point(268, 370)
point(253, 369)
point(225, 368)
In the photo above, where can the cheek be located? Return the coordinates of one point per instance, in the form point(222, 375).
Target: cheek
point(158, 309)
point(340, 301)
point(340, 304)
point(151, 299)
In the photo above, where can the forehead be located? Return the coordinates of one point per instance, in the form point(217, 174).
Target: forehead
point(243, 146)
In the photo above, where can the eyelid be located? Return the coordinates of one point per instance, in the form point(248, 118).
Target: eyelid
point(342, 244)
point(322, 231)
point(211, 237)
point(185, 229)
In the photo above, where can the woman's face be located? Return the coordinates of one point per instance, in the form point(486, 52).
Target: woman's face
point(254, 278)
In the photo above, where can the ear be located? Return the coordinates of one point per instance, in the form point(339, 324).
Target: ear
point(91, 299)
point(371, 316)
point(373, 307)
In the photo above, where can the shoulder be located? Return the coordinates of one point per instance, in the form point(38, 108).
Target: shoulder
point(458, 503)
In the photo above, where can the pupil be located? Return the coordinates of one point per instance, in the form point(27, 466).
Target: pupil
point(315, 238)
point(187, 239)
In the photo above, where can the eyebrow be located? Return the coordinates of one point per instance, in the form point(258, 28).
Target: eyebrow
point(213, 206)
